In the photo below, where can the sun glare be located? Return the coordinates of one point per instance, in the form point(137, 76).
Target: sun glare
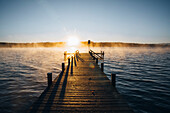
point(73, 41)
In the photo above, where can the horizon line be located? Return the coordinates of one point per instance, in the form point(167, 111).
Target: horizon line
point(87, 41)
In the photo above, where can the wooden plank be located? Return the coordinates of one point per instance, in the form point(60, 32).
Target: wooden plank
point(87, 89)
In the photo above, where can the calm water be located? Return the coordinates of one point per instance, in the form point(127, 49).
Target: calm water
point(143, 76)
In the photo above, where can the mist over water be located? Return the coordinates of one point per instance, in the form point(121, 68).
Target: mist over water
point(143, 75)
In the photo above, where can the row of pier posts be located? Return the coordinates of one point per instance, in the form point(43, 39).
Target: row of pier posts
point(49, 75)
point(113, 76)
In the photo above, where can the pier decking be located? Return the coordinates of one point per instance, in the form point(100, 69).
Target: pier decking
point(81, 87)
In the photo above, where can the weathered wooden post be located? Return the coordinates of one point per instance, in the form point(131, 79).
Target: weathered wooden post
point(102, 67)
point(49, 77)
point(72, 58)
point(89, 44)
point(113, 79)
point(69, 60)
point(96, 60)
point(63, 67)
point(71, 64)
point(65, 55)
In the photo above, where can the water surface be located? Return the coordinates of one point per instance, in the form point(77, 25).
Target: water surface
point(143, 75)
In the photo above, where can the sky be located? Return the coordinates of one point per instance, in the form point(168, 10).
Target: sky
point(136, 21)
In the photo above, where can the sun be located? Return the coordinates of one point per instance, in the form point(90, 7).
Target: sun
point(73, 41)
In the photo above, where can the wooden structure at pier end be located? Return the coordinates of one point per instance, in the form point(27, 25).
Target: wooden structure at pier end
point(82, 86)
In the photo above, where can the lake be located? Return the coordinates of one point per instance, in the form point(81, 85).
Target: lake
point(142, 75)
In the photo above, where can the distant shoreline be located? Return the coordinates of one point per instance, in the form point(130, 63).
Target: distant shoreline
point(82, 44)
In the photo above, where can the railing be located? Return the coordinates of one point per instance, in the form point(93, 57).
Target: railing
point(96, 55)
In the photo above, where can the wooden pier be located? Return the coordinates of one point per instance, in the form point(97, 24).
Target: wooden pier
point(81, 87)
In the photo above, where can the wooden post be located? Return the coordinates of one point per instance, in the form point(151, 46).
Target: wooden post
point(65, 52)
point(96, 60)
point(90, 53)
point(89, 44)
point(65, 55)
point(71, 65)
point(102, 67)
point(63, 67)
point(68, 60)
point(49, 76)
point(113, 79)
point(72, 58)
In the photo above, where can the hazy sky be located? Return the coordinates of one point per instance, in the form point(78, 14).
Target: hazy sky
point(142, 21)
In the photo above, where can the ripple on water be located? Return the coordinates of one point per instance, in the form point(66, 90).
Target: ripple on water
point(142, 76)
